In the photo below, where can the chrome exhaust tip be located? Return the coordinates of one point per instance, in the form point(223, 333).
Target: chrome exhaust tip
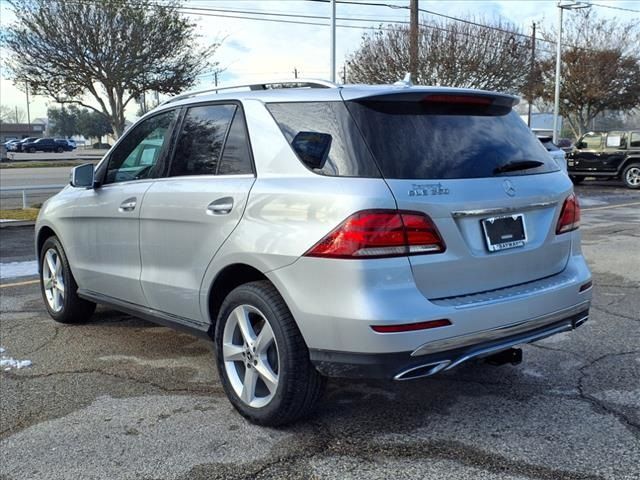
point(421, 371)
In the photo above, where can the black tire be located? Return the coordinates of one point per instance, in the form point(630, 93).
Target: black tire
point(31, 150)
point(631, 176)
point(73, 308)
point(576, 180)
point(299, 386)
point(59, 149)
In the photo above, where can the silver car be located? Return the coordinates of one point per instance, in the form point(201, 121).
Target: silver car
point(312, 230)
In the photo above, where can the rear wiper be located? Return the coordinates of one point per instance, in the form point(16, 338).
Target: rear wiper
point(517, 165)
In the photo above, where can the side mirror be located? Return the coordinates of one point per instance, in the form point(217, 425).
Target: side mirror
point(82, 176)
point(312, 148)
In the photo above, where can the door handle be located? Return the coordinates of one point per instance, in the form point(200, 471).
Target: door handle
point(128, 205)
point(222, 206)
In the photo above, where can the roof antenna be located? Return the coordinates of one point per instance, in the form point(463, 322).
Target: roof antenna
point(405, 82)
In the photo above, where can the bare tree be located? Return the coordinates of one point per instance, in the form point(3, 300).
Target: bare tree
point(12, 114)
point(600, 68)
point(111, 51)
point(450, 53)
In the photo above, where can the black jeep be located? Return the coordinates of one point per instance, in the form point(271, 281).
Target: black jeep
point(614, 154)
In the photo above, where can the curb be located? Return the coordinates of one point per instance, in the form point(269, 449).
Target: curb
point(17, 223)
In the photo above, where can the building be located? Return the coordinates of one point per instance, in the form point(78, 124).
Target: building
point(12, 131)
point(542, 123)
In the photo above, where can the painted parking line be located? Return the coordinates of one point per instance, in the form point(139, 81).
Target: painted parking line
point(19, 284)
point(612, 206)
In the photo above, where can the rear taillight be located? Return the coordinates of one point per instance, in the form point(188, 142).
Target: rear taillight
point(380, 233)
point(569, 216)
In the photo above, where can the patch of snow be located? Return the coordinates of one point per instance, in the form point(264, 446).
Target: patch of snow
point(18, 269)
point(7, 363)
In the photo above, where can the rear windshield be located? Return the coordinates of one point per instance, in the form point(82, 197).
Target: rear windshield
point(422, 140)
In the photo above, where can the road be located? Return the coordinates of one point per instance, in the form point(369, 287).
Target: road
point(122, 398)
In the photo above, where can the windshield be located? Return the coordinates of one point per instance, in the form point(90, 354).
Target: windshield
point(422, 140)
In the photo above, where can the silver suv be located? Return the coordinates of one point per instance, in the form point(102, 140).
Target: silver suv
point(315, 230)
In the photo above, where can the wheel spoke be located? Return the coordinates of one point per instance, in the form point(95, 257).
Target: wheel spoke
point(269, 378)
point(246, 329)
point(47, 282)
point(58, 265)
point(265, 339)
point(232, 353)
point(60, 288)
point(51, 262)
point(249, 386)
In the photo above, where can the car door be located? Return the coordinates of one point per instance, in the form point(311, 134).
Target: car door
point(615, 151)
point(106, 249)
point(587, 157)
point(187, 216)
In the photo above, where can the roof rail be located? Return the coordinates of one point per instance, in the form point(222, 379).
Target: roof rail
point(288, 83)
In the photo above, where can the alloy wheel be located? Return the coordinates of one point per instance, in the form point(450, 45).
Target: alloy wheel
point(250, 354)
point(633, 176)
point(53, 280)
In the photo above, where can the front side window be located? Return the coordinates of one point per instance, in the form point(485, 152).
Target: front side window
point(635, 140)
point(136, 157)
point(201, 140)
point(591, 141)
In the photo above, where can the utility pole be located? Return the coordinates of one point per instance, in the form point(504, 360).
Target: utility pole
point(295, 72)
point(28, 110)
point(344, 74)
point(333, 41)
point(531, 72)
point(413, 40)
point(215, 78)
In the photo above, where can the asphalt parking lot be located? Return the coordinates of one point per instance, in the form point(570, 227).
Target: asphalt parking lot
point(123, 398)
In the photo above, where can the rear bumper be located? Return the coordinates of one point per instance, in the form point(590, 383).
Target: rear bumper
point(438, 356)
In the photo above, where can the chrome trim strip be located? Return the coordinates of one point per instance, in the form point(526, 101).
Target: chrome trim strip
point(500, 210)
point(448, 364)
point(498, 332)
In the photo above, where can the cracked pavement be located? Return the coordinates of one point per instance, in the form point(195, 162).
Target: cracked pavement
point(123, 398)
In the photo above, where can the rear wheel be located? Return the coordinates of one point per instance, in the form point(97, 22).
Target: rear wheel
point(59, 288)
point(32, 150)
point(59, 149)
point(631, 176)
point(262, 359)
point(576, 180)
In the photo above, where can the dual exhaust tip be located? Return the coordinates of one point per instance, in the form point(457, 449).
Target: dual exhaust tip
point(507, 354)
point(511, 355)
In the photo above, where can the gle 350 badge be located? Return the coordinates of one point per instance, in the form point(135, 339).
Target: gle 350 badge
point(426, 189)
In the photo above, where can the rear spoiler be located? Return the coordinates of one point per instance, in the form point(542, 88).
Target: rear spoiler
point(449, 95)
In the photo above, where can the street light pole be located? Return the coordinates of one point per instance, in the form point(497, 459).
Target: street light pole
point(569, 5)
point(333, 41)
point(556, 100)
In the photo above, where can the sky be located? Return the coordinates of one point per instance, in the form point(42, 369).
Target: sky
point(253, 51)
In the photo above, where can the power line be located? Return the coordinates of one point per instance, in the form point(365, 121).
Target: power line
point(613, 7)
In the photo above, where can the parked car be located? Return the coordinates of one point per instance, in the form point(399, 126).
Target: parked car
point(9, 142)
point(607, 155)
point(352, 231)
point(565, 144)
point(46, 145)
point(556, 153)
point(18, 146)
point(71, 143)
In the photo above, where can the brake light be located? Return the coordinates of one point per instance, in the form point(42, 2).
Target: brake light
point(569, 216)
point(465, 99)
point(380, 233)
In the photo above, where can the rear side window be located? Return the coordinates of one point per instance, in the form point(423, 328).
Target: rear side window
point(236, 159)
point(201, 139)
point(424, 140)
point(325, 138)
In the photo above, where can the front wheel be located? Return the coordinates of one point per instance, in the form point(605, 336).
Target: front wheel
point(59, 149)
point(31, 150)
point(262, 359)
point(631, 176)
point(59, 288)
